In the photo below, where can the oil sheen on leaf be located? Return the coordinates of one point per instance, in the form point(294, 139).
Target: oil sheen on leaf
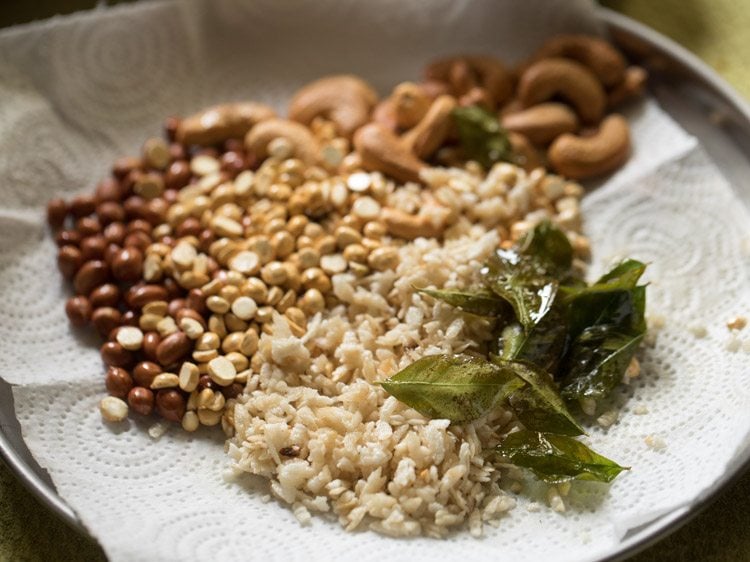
point(539, 405)
point(454, 387)
point(528, 276)
point(606, 328)
point(522, 284)
point(557, 458)
point(550, 247)
point(481, 302)
point(598, 359)
point(542, 345)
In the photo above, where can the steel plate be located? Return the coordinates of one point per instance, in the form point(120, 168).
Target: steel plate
point(695, 96)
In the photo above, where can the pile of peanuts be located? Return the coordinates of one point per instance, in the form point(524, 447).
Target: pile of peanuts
point(182, 258)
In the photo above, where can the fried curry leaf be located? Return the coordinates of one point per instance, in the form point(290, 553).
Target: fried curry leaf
point(481, 136)
point(543, 345)
point(511, 341)
point(551, 326)
point(624, 275)
point(483, 303)
point(454, 387)
point(538, 405)
point(597, 361)
point(549, 246)
point(623, 308)
point(557, 458)
point(524, 285)
point(529, 276)
point(606, 328)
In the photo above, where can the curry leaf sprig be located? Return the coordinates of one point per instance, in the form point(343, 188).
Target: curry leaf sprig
point(557, 339)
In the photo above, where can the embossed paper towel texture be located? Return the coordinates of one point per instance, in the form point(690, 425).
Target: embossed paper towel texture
point(80, 91)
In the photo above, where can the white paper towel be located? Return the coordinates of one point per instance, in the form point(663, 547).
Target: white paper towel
point(79, 91)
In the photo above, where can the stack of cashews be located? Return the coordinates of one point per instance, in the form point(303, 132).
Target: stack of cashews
point(590, 77)
point(554, 107)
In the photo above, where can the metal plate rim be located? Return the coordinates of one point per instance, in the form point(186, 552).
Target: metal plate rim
point(48, 496)
point(672, 521)
point(33, 482)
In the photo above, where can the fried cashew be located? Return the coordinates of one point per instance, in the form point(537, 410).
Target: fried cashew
point(302, 143)
point(579, 157)
point(568, 79)
point(381, 149)
point(221, 122)
point(542, 123)
point(463, 73)
point(346, 100)
point(410, 104)
point(428, 224)
point(431, 131)
point(404, 108)
point(599, 56)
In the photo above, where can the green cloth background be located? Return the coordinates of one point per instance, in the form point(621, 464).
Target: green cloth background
point(716, 30)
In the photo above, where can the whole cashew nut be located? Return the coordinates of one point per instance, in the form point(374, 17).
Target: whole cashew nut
point(402, 157)
point(430, 133)
point(410, 104)
point(304, 146)
point(404, 108)
point(427, 225)
point(463, 73)
point(606, 62)
point(585, 157)
point(542, 123)
point(551, 77)
point(344, 99)
point(221, 122)
point(380, 149)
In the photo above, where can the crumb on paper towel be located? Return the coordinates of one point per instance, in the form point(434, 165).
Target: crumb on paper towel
point(737, 323)
point(656, 321)
point(632, 372)
point(655, 442)
point(733, 344)
point(302, 514)
point(555, 500)
point(157, 430)
point(588, 405)
point(607, 418)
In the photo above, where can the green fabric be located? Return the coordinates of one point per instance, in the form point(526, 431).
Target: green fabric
point(29, 532)
point(716, 30)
